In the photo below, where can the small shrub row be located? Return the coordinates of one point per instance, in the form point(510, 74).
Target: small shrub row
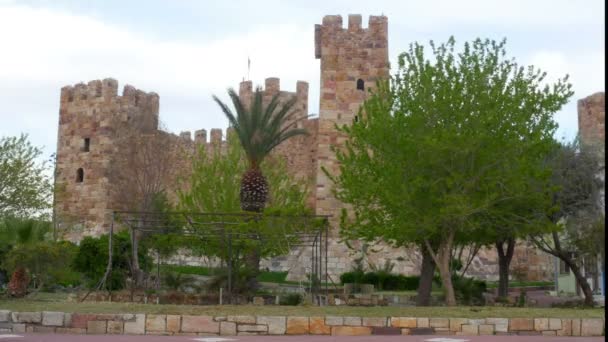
point(382, 281)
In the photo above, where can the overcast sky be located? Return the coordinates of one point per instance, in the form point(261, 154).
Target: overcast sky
point(187, 50)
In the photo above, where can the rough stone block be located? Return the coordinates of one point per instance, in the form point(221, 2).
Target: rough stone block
point(500, 324)
point(5, 316)
point(69, 331)
point(200, 324)
point(541, 324)
point(521, 324)
point(43, 329)
point(50, 318)
point(96, 327)
point(456, 323)
point(386, 331)
point(439, 323)
point(555, 324)
point(406, 331)
point(227, 329)
point(136, 327)
point(258, 300)
point(373, 321)
point(403, 322)
point(549, 333)
point(486, 329)
point(276, 324)
point(576, 327)
point(241, 319)
point(352, 321)
point(529, 333)
point(566, 329)
point(173, 323)
point(257, 328)
point(18, 327)
point(592, 326)
point(469, 329)
point(28, 317)
point(350, 331)
point(297, 326)
point(334, 320)
point(156, 323)
point(115, 327)
point(80, 320)
point(422, 322)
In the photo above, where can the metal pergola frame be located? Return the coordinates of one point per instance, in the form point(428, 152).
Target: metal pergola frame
point(216, 227)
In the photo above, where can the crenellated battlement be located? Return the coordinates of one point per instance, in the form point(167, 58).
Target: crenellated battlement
point(108, 89)
point(272, 86)
point(200, 136)
point(332, 33)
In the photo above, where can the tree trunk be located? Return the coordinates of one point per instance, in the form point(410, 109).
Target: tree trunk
point(442, 260)
point(427, 270)
point(504, 260)
point(137, 273)
point(580, 279)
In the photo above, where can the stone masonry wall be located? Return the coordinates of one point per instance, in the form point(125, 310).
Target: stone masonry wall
point(189, 325)
point(348, 57)
point(592, 118)
point(90, 111)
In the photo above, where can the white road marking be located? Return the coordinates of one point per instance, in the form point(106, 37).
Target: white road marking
point(213, 339)
point(10, 336)
point(445, 339)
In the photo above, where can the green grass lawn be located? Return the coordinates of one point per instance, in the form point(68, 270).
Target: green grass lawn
point(264, 276)
point(56, 302)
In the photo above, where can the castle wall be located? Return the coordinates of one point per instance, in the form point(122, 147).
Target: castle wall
point(592, 118)
point(91, 111)
point(348, 57)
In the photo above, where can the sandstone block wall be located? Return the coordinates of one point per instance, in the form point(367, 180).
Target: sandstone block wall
point(592, 118)
point(192, 325)
point(88, 114)
point(350, 57)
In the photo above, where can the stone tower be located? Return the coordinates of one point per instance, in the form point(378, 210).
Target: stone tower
point(352, 60)
point(592, 118)
point(88, 117)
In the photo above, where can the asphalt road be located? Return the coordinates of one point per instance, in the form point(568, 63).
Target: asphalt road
point(148, 338)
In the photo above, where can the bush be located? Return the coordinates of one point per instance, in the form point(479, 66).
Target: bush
point(469, 291)
point(291, 299)
point(382, 280)
point(92, 259)
point(47, 263)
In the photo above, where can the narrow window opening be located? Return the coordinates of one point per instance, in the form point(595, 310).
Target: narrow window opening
point(87, 144)
point(356, 118)
point(360, 84)
point(79, 175)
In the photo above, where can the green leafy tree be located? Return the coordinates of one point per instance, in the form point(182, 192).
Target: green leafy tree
point(437, 147)
point(259, 128)
point(576, 207)
point(213, 187)
point(25, 187)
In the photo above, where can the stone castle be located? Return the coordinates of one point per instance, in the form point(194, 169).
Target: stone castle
point(352, 59)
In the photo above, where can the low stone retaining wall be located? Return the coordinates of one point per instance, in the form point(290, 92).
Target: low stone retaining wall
point(149, 324)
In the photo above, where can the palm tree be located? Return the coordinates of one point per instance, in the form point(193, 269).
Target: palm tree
point(260, 129)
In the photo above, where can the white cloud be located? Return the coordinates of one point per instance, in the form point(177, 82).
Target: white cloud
point(55, 48)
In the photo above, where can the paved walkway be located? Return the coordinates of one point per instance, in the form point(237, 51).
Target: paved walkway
point(148, 338)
